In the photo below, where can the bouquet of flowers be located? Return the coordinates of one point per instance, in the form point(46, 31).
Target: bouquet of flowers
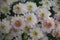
point(29, 19)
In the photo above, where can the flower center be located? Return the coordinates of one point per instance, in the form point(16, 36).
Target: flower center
point(3, 26)
point(48, 24)
point(27, 29)
point(46, 3)
point(29, 19)
point(35, 33)
point(42, 15)
point(18, 23)
point(5, 9)
point(56, 25)
point(30, 7)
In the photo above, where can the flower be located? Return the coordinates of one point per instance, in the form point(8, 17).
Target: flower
point(56, 9)
point(31, 19)
point(48, 25)
point(5, 8)
point(5, 26)
point(8, 2)
point(27, 28)
point(18, 22)
point(31, 6)
point(56, 3)
point(36, 33)
point(41, 15)
point(47, 4)
point(19, 8)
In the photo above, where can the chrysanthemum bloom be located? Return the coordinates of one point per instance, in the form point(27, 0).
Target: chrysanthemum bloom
point(31, 19)
point(56, 9)
point(56, 31)
point(36, 34)
point(5, 8)
point(19, 8)
point(8, 2)
point(47, 4)
point(5, 26)
point(31, 6)
point(48, 25)
point(56, 3)
point(18, 22)
point(41, 15)
point(27, 28)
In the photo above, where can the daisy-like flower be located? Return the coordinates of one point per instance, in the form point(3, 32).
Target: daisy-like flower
point(57, 25)
point(56, 3)
point(27, 28)
point(47, 4)
point(5, 26)
point(5, 8)
point(8, 2)
point(56, 9)
point(18, 22)
point(36, 33)
point(56, 33)
point(41, 15)
point(31, 6)
point(19, 8)
point(31, 19)
point(48, 25)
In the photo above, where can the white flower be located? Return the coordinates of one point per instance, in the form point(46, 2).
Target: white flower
point(5, 8)
point(47, 4)
point(18, 22)
point(36, 33)
point(57, 25)
point(8, 2)
point(19, 8)
point(56, 9)
point(5, 26)
point(31, 6)
point(27, 28)
point(48, 25)
point(31, 19)
point(43, 13)
point(56, 3)
point(56, 33)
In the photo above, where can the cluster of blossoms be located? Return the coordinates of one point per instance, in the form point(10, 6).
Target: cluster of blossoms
point(29, 21)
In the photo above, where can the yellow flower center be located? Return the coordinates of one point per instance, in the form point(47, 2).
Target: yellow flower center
point(29, 19)
point(29, 7)
point(5, 9)
point(3, 26)
point(56, 25)
point(27, 28)
point(46, 3)
point(35, 34)
point(42, 15)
